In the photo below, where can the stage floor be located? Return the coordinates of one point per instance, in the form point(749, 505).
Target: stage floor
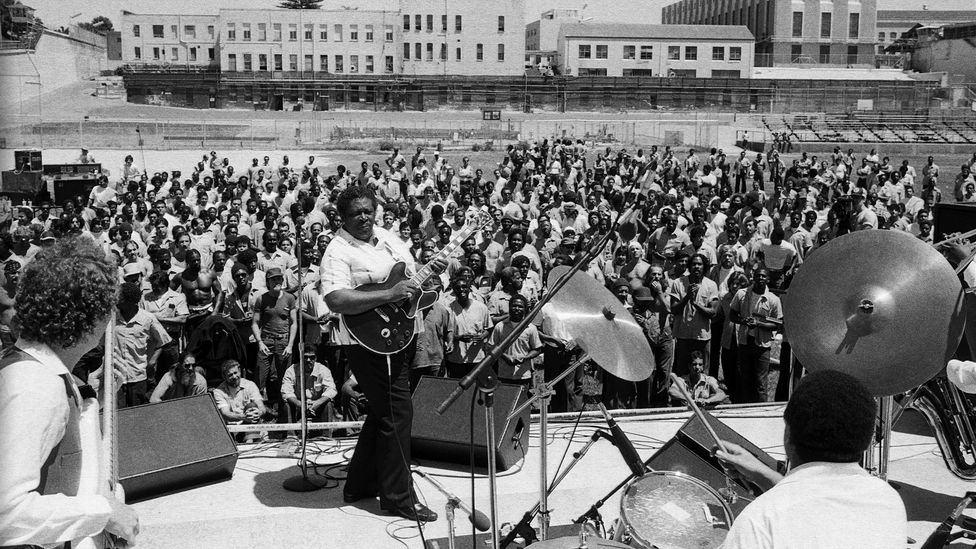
point(253, 510)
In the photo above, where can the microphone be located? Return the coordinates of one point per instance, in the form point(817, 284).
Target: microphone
point(623, 444)
point(479, 519)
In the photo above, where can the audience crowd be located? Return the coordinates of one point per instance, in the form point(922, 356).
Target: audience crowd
point(220, 264)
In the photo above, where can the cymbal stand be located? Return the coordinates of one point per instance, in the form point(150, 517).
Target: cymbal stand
point(486, 388)
point(884, 451)
point(541, 393)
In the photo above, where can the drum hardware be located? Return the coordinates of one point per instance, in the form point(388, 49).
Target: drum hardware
point(943, 535)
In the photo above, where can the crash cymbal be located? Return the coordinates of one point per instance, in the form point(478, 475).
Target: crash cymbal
point(573, 542)
point(602, 326)
point(882, 306)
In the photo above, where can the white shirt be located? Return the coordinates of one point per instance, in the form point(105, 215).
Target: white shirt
point(33, 418)
point(819, 505)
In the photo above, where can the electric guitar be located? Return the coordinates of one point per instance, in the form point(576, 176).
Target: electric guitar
point(388, 329)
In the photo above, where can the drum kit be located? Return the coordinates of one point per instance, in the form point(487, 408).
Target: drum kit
point(882, 306)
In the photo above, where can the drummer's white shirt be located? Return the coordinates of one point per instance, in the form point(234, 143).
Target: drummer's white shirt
point(820, 505)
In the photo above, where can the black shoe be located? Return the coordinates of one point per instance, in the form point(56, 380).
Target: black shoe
point(353, 497)
point(418, 511)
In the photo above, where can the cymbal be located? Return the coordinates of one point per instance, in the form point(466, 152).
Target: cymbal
point(573, 542)
point(882, 306)
point(602, 326)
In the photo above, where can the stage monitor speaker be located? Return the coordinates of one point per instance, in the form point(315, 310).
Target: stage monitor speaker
point(953, 218)
point(690, 452)
point(173, 445)
point(28, 161)
point(445, 437)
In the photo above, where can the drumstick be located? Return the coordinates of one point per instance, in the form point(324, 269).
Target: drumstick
point(694, 408)
point(957, 237)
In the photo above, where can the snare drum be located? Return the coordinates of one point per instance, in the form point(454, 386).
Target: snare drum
point(671, 510)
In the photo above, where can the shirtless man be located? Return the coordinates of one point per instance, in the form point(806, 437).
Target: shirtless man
point(202, 291)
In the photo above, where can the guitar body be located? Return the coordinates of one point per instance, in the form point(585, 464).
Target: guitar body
point(388, 329)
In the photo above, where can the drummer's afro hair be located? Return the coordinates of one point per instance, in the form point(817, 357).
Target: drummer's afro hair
point(830, 418)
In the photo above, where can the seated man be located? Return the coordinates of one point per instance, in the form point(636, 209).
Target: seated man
point(702, 387)
point(180, 381)
point(826, 499)
point(320, 389)
point(238, 399)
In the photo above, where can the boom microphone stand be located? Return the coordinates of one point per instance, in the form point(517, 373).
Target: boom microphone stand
point(302, 483)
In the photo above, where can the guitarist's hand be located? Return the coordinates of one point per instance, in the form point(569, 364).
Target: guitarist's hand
point(124, 522)
point(404, 290)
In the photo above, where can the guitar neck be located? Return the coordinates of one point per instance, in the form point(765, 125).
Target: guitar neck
point(427, 270)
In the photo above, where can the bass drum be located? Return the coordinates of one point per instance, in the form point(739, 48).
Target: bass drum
point(671, 510)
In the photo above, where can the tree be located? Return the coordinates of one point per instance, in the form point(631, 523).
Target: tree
point(300, 4)
point(99, 25)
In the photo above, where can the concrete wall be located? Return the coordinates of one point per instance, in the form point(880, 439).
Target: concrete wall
point(955, 56)
point(58, 61)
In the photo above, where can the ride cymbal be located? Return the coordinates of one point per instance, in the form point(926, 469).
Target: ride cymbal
point(602, 326)
point(882, 306)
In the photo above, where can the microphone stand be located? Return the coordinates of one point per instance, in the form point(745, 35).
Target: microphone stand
point(302, 483)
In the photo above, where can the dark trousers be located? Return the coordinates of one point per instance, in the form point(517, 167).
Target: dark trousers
point(169, 356)
point(272, 366)
point(730, 367)
point(381, 461)
point(135, 393)
point(715, 350)
point(753, 372)
point(457, 370)
point(653, 391)
point(618, 393)
point(418, 372)
point(682, 354)
point(790, 372)
point(569, 391)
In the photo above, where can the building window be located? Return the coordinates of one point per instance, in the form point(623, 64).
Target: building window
point(172, 30)
point(353, 63)
point(135, 30)
point(262, 32)
point(406, 22)
point(337, 66)
point(501, 23)
point(430, 51)
point(276, 32)
point(851, 55)
point(232, 62)
point(406, 51)
point(369, 64)
point(457, 54)
point(893, 36)
point(796, 52)
point(479, 52)
point(156, 54)
point(277, 62)
point(247, 62)
point(388, 32)
point(308, 63)
point(444, 23)
point(293, 62)
point(854, 25)
point(337, 33)
point(246, 31)
point(388, 64)
point(881, 37)
point(718, 53)
point(176, 54)
point(211, 54)
point(501, 52)
point(457, 23)
point(825, 20)
point(308, 31)
point(190, 31)
point(602, 51)
point(324, 63)
point(292, 32)
point(735, 53)
point(825, 53)
point(157, 31)
point(262, 62)
point(193, 54)
point(630, 52)
point(443, 52)
point(674, 52)
point(353, 33)
point(418, 22)
point(210, 31)
point(323, 32)
point(797, 24)
point(584, 51)
point(418, 51)
point(138, 53)
point(369, 33)
point(231, 32)
point(691, 53)
point(647, 52)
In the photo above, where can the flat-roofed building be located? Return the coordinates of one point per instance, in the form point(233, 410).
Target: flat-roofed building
point(692, 51)
point(829, 32)
point(170, 39)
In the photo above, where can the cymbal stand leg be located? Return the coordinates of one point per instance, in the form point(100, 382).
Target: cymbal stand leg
point(486, 385)
point(543, 392)
point(885, 450)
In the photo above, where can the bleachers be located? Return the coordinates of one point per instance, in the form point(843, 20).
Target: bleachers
point(873, 128)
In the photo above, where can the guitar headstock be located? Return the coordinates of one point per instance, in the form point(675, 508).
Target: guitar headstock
point(481, 219)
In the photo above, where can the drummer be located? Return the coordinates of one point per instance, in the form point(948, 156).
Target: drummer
point(826, 499)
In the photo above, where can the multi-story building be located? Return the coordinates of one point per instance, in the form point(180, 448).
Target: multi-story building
point(462, 37)
point(181, 40)
point(692, 51)
point(310, 42)
point(836, 32)
point(541, 36)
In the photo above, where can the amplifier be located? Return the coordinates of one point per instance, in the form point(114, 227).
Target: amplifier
point(28, 161)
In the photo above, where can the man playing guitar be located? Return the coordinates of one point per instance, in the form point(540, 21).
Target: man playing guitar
point(49, 450)
point(362, 253)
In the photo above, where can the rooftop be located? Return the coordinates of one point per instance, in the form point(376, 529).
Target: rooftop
point(676, 32)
